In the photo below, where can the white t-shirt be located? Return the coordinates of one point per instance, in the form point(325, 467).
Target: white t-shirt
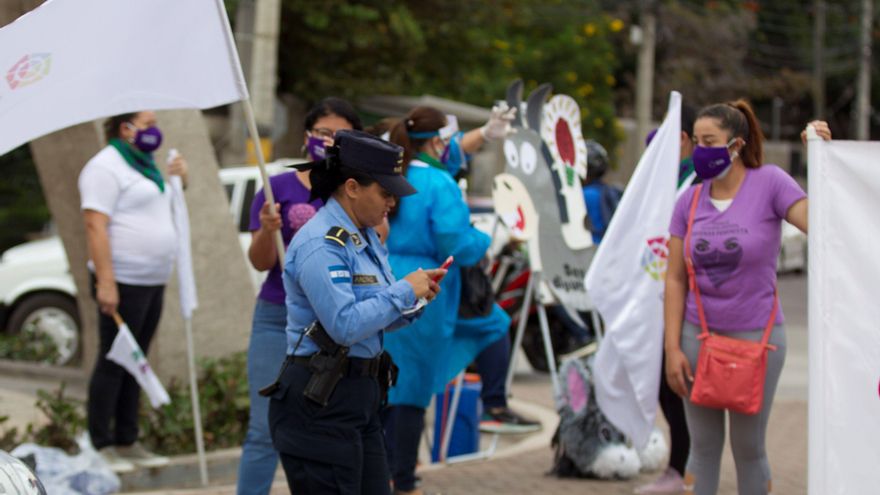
point(143, 242)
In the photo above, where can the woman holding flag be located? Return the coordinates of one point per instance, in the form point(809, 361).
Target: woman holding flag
point(132, 245)
point(721, 278)
point(266, 349)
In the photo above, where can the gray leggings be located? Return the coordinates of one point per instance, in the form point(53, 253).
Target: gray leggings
point(747, 432)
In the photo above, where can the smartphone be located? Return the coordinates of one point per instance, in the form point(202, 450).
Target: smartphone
point(446, 264)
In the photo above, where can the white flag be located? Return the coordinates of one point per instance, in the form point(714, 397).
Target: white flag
point(126, 352)
point(186, 280)
point(625, 281)
point(71, 61)
point(844, 317)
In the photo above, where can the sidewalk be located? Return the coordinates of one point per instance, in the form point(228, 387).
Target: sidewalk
point(523, 471)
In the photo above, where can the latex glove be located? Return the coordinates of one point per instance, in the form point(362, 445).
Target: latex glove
point(498, 126)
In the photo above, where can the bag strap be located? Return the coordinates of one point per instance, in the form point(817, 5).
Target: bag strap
point(695, 288)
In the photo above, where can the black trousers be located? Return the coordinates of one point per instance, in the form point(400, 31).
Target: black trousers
point(335, 449)
point(403, 432)
point(114, 395)
point(673, 411)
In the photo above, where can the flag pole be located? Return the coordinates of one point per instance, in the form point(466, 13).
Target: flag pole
point(261, 163)
point(250, 119)
point(194, 395)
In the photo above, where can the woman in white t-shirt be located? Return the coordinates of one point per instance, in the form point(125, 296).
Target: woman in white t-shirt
point(132, 243)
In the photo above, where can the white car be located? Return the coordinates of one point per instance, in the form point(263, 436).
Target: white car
point(37, 291)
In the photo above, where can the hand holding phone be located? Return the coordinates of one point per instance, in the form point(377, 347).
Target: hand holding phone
point(445, 266)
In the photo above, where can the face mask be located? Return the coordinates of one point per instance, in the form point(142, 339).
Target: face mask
point(147, 140)
point(315, 147)
point(712, 161)
point(453, 156)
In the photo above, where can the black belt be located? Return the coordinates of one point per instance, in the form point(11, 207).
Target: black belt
point(354, 367)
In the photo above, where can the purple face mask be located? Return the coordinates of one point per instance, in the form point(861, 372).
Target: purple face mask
point(711, 161)
point(315, 147)
point(148, 140)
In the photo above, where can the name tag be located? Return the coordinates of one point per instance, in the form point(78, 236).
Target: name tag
point(360, 279)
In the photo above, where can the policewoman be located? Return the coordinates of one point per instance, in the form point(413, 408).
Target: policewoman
point(341, 298)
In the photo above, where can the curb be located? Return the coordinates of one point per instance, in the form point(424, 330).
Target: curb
point(181, 477)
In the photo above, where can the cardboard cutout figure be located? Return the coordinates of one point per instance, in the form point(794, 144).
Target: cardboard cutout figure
point(561, 131)
point(530, 160)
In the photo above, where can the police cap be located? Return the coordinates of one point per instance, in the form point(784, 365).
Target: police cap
point(381, 160)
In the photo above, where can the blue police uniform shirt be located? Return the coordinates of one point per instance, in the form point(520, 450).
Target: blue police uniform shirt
point(346, 285)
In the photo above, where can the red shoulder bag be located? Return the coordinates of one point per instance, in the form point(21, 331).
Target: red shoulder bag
point(730, 372)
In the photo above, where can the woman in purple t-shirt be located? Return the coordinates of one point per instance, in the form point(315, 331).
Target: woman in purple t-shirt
point(268, 343)
point(734, 246)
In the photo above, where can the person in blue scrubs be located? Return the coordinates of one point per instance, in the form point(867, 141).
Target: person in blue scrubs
point(427, 228)
point(336, 273)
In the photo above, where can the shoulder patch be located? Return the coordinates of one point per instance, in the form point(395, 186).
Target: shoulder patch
point(337, 235)
point(339, 274)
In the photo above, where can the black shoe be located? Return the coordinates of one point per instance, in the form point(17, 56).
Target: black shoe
point(503, 420)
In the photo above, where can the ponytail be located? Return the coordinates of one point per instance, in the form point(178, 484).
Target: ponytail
point(739, 119)
point(400, 136)
point(752, 153)
point(418, 120)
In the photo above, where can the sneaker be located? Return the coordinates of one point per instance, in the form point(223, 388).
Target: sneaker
point(503, 420)
point(116, 463)
point(137, 454)
point(670, 482)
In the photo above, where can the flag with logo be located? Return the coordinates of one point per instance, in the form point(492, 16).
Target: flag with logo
point(844, 317)
point(126, 352)
point(625, 282)
point(71, 61)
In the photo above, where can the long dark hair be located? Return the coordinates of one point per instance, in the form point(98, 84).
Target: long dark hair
point(739, 119)
point(419, 119)
point(111, 125)
point(333, 106)
point(327, 179)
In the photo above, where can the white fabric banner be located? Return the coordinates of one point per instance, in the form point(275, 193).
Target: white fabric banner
point(625, 282)
point(126, 352)
point(186, 280)
point(71, 61)
point(844, 314)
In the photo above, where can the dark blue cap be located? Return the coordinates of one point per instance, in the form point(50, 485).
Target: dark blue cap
point(359, 150)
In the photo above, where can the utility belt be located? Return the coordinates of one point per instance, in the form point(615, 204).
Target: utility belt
point(331, 364)
point(352, 367)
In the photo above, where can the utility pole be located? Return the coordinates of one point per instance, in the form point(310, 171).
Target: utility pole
point(863, 87)
point(819, 59)
point(646, 35)
point(257, 28)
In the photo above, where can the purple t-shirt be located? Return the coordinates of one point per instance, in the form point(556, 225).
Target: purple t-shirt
point(295, 212)
point(735, 251)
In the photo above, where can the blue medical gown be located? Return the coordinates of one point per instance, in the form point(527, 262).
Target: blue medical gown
point(428, 227)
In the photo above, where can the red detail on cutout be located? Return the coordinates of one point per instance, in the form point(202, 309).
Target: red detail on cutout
point(521, 221)
point(564, 142)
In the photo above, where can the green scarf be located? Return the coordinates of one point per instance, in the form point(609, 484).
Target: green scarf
point(685, 169)
point(430, 160)
point(140, 161)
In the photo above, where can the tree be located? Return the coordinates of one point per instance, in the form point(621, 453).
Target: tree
point(459, 49)
point(23, 209)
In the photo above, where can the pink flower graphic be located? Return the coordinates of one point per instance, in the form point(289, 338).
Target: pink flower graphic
point(299, 214)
